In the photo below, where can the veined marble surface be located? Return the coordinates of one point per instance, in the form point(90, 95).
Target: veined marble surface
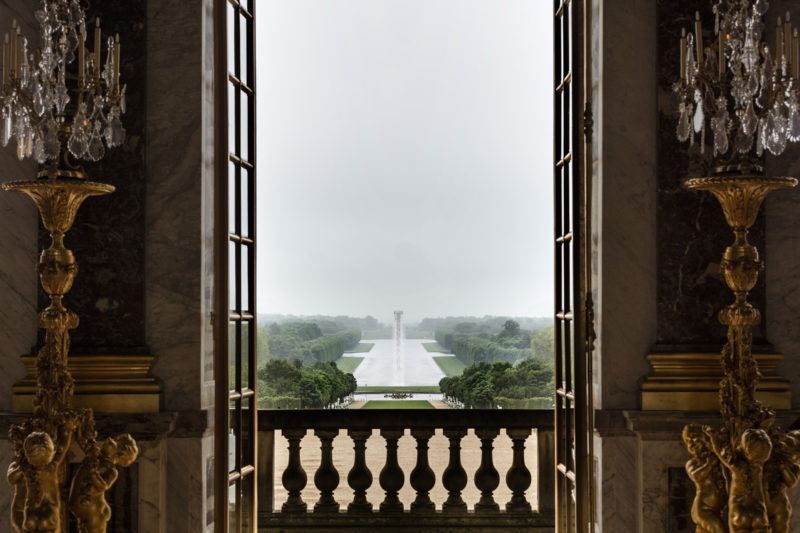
point(19, 250)
point(625, 129)
point(173, 230)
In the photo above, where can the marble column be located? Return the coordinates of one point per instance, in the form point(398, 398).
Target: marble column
point(178, 237)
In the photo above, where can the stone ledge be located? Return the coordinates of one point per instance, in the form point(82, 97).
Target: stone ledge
point(142, 426)
point(435, 522)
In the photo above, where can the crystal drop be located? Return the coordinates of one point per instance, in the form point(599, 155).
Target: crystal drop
point(61, 98)
point(8, 130)
point(77, 145)
point(750, 121)
point(52, 148)
point(794, 125)
point(760, 7)
point(114, 132)
point(684, 125)
point(760, 139)
point(96, 149)
point(21, 148)
point(699, 116)
point(38, 151)
point(743, 142)
point(123, 99)
point(719, 128)
point(38, 101)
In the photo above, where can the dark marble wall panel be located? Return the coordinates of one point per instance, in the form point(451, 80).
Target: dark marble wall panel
point(692, 233)
point(108, 235)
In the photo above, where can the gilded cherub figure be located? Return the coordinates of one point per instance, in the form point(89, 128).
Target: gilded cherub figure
point(747, 509)
point(40, 470)
point(16, 478)
point(96, 474)
point(781, 473)
point(706, 473)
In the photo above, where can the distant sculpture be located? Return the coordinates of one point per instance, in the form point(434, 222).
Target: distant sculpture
point(747, 509)
point(40, 468)
point(705, 471)
point(781, 473)
point(96, 474)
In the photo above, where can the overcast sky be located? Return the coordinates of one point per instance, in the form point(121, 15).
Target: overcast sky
point(404, 152)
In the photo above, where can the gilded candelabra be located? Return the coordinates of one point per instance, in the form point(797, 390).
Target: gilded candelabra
point(747, 92)
point(34, 100)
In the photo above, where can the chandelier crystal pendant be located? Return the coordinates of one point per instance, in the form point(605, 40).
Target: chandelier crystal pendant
point(44, 108)
point(739, 87)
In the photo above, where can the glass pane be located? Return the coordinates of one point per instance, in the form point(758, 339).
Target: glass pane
point(244, 126)
point(231, 14)
point(233, 492)
point(247, 428)
point(244, 51)
point(233, 354)
point(244, 348)
point(232, 197)
point(245, 279)
point(233, 435)
point(247, 501)
point(232, 281)
point(232, 125)
point(245, 196)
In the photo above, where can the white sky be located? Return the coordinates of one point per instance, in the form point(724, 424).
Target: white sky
point(404, 152)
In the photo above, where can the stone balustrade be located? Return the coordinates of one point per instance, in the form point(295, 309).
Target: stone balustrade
point(420, 514)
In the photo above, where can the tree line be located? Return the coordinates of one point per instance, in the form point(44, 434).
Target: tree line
point(307, 342)
point(294, 385)
point(487, 385)
point(471, 344)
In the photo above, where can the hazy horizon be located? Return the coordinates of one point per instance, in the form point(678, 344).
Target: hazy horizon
point(401, 158)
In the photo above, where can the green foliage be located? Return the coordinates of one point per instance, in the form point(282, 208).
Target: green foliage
point(398, 404)
point(348, 365)
point(284, 384)
point(305, 341)
point(481, 384)
point(434, 347)
point(451, 366)
point(542, 344)
point(409, 388)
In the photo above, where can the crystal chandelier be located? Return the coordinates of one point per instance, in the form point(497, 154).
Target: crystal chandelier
point(739, 87)
point(44, 108)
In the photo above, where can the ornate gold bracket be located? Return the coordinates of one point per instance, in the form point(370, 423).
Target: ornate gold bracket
point(743, 470)
point(41, 443)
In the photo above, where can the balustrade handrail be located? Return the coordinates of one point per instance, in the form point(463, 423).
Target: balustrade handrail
point(270, 419)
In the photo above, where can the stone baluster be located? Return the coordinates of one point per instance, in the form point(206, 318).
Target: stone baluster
point(391, 476)
point(294, 477)
point(518, 477)
point(359, 478)
point(545, 473)
point(454, 477)
point(486, 477)
point(422, 477)
point(326, 478)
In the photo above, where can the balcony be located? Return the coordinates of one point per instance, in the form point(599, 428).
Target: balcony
point(314, 501)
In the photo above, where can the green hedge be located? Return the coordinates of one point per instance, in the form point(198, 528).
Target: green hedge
point(524, 403)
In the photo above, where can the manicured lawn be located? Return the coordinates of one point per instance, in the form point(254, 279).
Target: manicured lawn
point(398, 404)
point(363, 347)
point(451, 366)
point(348, 365)
point(435, 347)
point(410, 388)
